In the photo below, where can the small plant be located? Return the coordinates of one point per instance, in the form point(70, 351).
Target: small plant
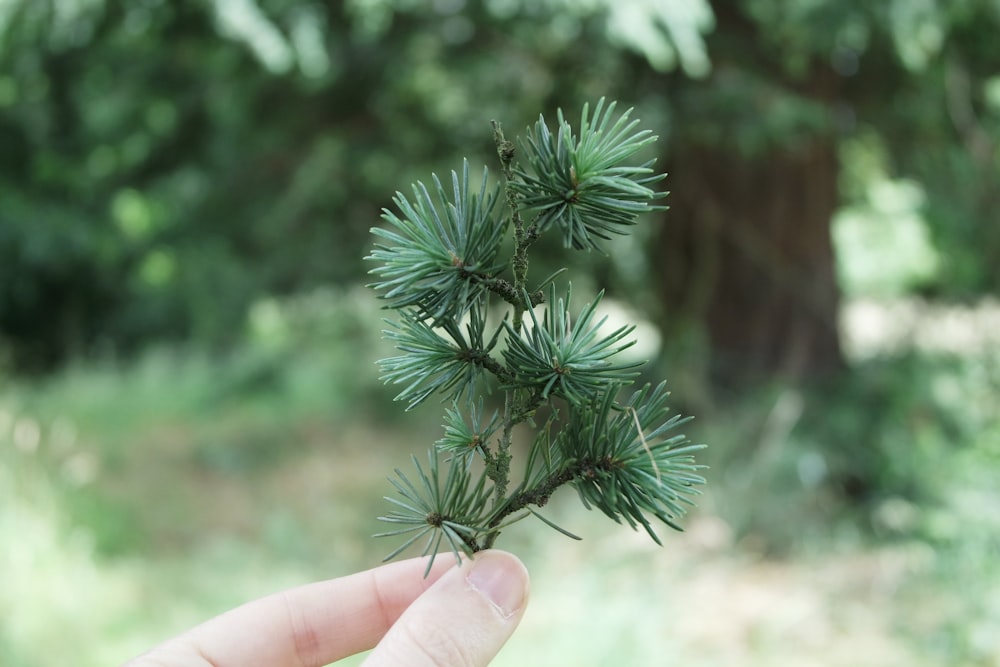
point(468, 327)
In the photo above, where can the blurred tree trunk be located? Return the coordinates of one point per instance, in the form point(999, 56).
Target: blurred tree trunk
point(746, 254)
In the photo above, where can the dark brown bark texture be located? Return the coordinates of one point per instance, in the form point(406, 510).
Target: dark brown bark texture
point(746, 251)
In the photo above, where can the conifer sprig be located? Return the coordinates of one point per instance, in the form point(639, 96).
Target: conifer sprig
point(466, 438)
point(451, 513)
point(439, 267)
point(582, 183)
point(631, 459)
point(439, 255)
point(435, 363)
point(560, 357)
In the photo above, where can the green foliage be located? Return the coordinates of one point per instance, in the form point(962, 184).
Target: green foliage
point(433, 363)
point(151, 192)
point(624, 458)
point(468, 438)
point(632, 460)
point(453, 512)
point(436, 261)
point(568, 359)
point(582, 184)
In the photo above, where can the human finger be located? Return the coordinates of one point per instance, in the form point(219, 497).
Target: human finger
point(307, 626)
point(462, 620)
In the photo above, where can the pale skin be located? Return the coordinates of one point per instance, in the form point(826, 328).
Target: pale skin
point(458, 616)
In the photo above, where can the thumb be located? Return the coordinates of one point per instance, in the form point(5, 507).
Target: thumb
point(462, 620)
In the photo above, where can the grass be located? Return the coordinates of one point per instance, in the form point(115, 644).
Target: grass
point(136, 501)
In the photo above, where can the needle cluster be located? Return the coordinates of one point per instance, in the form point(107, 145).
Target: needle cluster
point(469, 330)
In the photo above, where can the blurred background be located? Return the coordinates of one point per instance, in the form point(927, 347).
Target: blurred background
point(190, 415)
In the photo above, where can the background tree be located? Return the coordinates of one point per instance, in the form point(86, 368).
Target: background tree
point(165, 165)
point(757, 176)
point(168, 163)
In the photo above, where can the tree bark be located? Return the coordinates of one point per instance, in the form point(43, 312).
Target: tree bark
point(746, 255)
point(747, 252)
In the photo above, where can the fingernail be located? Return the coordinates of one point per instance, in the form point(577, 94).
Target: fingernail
point(501, 579)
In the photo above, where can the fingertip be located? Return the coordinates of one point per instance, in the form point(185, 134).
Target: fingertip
point(502, 579)
point(463, 619)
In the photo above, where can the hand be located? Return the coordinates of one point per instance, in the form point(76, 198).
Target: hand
point(457, 616)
